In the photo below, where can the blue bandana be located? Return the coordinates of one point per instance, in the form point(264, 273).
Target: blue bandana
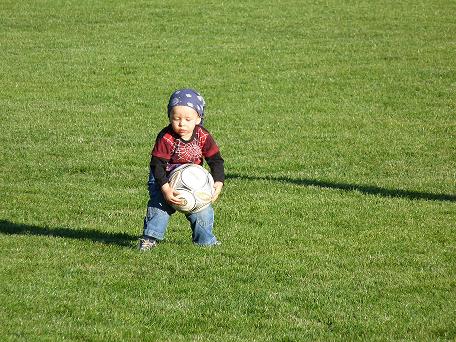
point(189, 98)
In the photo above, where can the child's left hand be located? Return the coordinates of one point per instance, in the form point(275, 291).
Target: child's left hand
point(217, 189)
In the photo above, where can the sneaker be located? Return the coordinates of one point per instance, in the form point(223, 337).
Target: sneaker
point(147, 243)
point(216, 243)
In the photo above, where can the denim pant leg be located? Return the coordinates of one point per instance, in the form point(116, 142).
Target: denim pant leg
point(158, 211)
point(202, 224)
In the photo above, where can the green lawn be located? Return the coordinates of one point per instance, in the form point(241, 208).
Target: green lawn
point(337, 123)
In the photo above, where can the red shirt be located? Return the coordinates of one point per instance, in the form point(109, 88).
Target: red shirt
point(170, 146)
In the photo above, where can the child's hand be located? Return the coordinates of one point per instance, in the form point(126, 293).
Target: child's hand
point(170, 195)
point(217, 189)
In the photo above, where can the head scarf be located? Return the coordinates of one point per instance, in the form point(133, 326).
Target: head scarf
point(189, 98)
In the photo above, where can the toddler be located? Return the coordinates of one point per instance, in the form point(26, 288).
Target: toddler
point(183, 141)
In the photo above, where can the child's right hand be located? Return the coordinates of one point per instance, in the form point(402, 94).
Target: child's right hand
point(170, 195)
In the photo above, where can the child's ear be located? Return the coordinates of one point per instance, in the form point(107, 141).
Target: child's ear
point(198, 121)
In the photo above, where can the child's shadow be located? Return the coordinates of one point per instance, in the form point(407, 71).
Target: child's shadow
point(119, 239)
point(365, 189)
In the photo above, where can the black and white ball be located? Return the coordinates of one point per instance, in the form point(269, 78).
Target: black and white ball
point(195, 186)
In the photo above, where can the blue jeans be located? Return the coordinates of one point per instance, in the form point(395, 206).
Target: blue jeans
point(159, 212)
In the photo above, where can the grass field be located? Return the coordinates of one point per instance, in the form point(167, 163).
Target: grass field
point(337, 123)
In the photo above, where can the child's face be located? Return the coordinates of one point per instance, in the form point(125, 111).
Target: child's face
point(183, 120)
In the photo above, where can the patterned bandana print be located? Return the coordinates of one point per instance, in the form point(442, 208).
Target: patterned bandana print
point(189, 98)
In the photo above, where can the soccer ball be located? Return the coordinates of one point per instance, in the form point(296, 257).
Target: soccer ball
point(195, 186)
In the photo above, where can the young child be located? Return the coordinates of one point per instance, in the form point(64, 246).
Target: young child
point(183, 141)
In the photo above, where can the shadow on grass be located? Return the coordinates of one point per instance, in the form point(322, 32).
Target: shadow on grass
point(365, 189)
point(119, 239)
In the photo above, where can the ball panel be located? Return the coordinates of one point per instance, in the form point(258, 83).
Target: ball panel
point(189, 201)
point(200, 207)
point(174, 178)
point(194, 178)
point(203, 196)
